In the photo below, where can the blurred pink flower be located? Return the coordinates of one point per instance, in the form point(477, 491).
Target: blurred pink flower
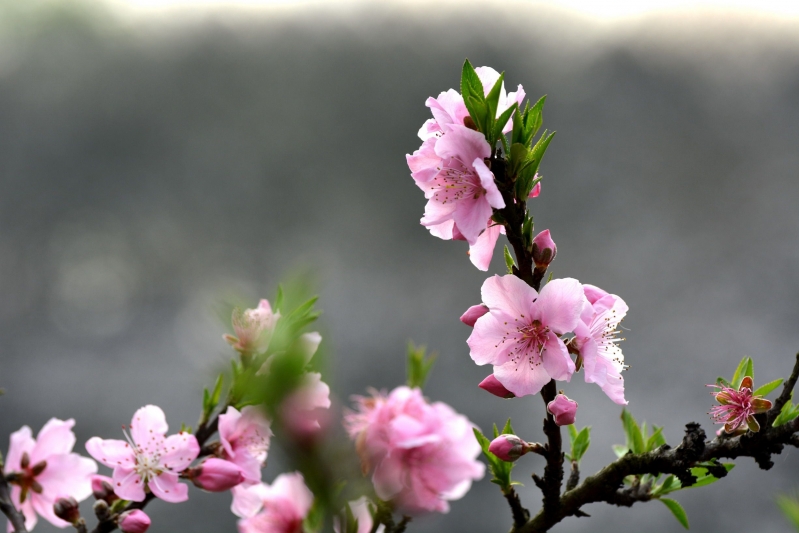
point(563, 409)
point(738, 407)
point(596, 341)
point(148, 458)
point(45, 469)
point(253, 328)
point(422, 454)
point(283, 506)
point(361, 512)
point(245, 439)
point(519, 334)
point(304, 412)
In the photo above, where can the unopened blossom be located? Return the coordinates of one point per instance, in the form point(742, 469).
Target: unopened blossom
point(462, 190)
point(596, 342)
point(148, 459)
point(135, 521)
point(491, 384)
point(253, 327)
point(44, 469)
point(216, 475)
point(544, 249)
point(536, 190)
point(245, 437)
point(563, 409)
point(67, 509)
point(509, 447)
point(519, 335)
point(305, 411)
point(362, 512)
point(284, 505)
point(472, 314)
point(422, 455)
point(738, 407)
point(103, 488)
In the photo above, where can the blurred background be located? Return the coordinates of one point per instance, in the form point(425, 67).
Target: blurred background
point(156, 162)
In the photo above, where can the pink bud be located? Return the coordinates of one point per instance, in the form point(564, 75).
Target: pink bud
point(472, 314)
point(544, 249)
point(67, 509)
point(216, 475)
point(103, 488)
point(492, 385)
point(508, 447)
point(536, 190)
point(135, 521)
point(563, 409)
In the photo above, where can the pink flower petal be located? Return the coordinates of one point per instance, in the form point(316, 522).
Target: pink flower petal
point(148, 421)
point(493, 195)
point(561, 303)
point(557, 362)
point(462, 143)
point(111, 452)
point(491, 339)
point(21, 442)
point(522, 379)
point(128, 485)
point(181, 450)
point(508, 294)
point(481, 252)
point(68, 475)
point(167, 487)
point(56, 437)
point(248, 500)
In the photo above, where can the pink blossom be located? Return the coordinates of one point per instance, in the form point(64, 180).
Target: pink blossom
point(253, 328)
point(285, 504)
point(216, 475)
point(462, 191)
point(44, 469)
point(135, 521)
point(304, 411)
point(509, 447)
point(563, 409)
point(148, 459)
point(536, 190)
point(544, 249)
point(421, 454)
point(449, 108)
point(519, 334)
point(362, 512)
point(491, 384)
point(738, 407)
point(245, 439)
point(596, 341)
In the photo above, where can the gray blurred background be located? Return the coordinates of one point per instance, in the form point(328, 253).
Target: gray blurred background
point(154, 165)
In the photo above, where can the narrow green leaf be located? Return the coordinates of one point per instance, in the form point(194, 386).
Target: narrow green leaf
point(740, 372)
point(518, 155)
point(572, 433)
point(581, 443)
point(677, 510)
point(788, 412)
point(502, 120)
point(790, 508)
point(206, 402)
point(418, 365)
point(536, 116)
point(279, 298)
point(509, 262)
point(537, 154)
point(764, 390)
point(492, 101)
point(620, 450)
point(703, 477)
point(470, 83)
point(508, 429)
point(656, 440)
point(723, 382)
point(670, 484)
point(217, 391)
point(635, 441)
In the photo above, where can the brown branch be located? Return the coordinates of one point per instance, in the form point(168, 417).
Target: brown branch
point(520, 514)
point(16, 518)
point(553, 471)
point(574, 477)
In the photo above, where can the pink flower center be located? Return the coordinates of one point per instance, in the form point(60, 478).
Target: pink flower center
point(530, 343)
point(26, 479)
point(456, 182)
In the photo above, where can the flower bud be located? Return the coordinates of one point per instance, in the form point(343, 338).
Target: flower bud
point(544, 249)
point(508, 447)
point(67, 509)
point(472, 314)
point(216, 475)
point(536, 190)
point(492, 385)
point(135, 521)
point(563, 409)
point(103, 488)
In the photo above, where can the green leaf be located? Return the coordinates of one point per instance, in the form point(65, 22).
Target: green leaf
point(572, 433)
point(509, 262)
point(508, 429)
point(279, 298)
point(790, 508)
point(537, 154)
point(581, 443)
point(418, 365)
point(217, 391)
point(656, 440)
point(536, 116)
point(677, 510)
point(470, 83)
point(499, 123)
point(703, 477)
point(764, 390)
point(492, 101)
point(527, 232)
point(745, 368)
point(635, 441)
point(720, 381)
point(518, 155)
point(620, 450)
point(788, 412)
point(500, 469)
point(670, 484)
